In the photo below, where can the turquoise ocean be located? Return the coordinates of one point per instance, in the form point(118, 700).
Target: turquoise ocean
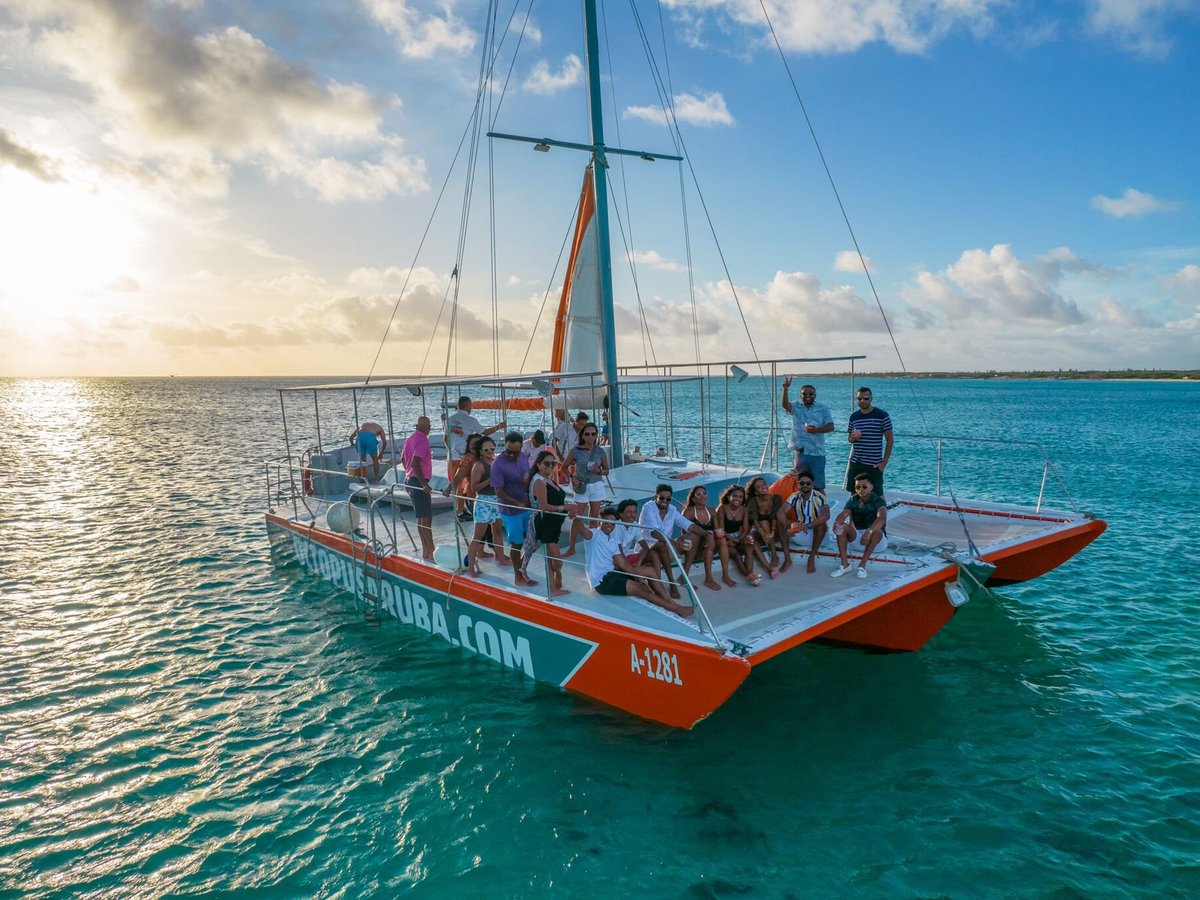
point(178, 716)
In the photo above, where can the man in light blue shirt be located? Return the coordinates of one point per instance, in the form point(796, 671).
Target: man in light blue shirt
point(811, 421)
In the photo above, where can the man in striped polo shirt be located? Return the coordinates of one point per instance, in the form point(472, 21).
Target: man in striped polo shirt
point(871, 442)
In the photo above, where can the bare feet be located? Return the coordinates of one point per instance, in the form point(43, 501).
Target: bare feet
point(812, 565)
point(473, 573)
point(774, 573)
point(711, 584)
point(683, 611)
point(559, 592)
point(525, 581)
point(674, 591)
point(787, 564)
point(729, 582)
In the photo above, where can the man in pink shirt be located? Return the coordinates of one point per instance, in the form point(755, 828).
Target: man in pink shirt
point(418, 468)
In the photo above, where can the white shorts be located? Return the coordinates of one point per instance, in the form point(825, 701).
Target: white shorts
point(803, 540)
point(879, 548)
point(592, 493)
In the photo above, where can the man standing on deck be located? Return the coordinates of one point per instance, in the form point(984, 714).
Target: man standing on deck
point(811, 421)
point(417, 458)
point(459, 426)
point(564, 436)
point(870, 442)
point(510, 481)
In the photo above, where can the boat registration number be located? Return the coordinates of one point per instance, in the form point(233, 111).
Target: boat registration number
point(656, 664)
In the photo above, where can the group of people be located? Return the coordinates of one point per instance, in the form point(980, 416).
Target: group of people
point(863, 520)
point(514, 495)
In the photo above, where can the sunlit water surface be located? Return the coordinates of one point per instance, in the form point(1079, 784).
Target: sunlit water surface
point(178, 716)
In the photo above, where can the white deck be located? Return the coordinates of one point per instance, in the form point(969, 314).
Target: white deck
point(755, 617)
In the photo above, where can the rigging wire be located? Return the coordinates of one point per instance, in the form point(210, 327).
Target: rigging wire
point(644, 330)
point(687, 232)
point(862, 259)
point(673, 123)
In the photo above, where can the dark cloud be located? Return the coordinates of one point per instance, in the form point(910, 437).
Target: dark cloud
point(14, 154)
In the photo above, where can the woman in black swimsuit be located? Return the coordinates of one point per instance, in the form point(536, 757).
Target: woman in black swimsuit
point(770, 524)
point(735, 536)
point(550, 502)
point(696, 509)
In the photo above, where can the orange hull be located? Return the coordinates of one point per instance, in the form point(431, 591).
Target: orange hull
point(1036, 558)
point(656, 677)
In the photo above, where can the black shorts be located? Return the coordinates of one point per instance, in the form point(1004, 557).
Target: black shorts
point(870, 471)
point(421, 501)
point(615, 584)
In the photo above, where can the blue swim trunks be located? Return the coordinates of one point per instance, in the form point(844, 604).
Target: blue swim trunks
point(516, 526)
point(367, 443)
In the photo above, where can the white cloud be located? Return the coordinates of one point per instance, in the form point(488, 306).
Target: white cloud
point(1116, 313)
point(420, 35)
point(1140, 26)
point(180, 109)
point(543, 81)
point(995, 285)
point(842, 26)
point(705, 111)
point(655, 260)
point(1185, 282)
point(1133, 203)
point(848, 261)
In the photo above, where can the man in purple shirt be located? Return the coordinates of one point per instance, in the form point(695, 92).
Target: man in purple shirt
point(417, 459)
point(510, 480)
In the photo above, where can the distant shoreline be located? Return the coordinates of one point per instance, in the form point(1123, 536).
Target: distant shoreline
point(1062, 375)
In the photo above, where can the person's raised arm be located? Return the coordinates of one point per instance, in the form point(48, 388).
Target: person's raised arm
point(783, 400)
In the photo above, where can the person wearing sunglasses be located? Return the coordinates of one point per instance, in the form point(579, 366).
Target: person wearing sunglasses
point(811, 516)
point(871, 442)
point(862, 522)
point(549, 501)
point(811, 421)
point(588, 465)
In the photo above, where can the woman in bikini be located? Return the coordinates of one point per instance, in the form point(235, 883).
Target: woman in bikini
point(736, 536)
point(696, 509)
point(768, 514)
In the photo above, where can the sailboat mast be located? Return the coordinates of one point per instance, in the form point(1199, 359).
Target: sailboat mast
point(608, 364)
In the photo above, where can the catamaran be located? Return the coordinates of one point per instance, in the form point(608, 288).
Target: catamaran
point(327, 512)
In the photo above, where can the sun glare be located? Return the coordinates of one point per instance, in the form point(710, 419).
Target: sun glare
point(66, 248)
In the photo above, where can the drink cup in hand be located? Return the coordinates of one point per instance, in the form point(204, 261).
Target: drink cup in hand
point(720, 532)
point(855, 434)
point(839, 528)
point(794, 528)
point(810, 427)
point(686, 544)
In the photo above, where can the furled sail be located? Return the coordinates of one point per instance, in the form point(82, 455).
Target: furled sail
point(578, 341)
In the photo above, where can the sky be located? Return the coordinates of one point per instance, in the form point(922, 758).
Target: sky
point(227, 187)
